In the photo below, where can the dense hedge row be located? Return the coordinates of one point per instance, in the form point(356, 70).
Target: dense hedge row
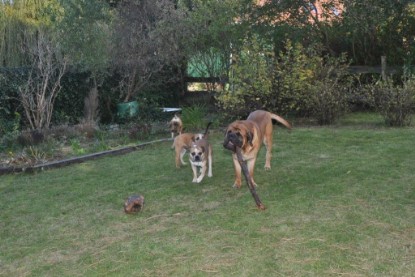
point(69, 103)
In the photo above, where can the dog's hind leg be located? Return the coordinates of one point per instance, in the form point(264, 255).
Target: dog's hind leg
point(268, 145)
point(210, 164)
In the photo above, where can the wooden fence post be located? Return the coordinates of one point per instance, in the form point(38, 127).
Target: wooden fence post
point(383, 64)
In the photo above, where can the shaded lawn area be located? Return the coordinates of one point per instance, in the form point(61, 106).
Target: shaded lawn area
point(340, 201)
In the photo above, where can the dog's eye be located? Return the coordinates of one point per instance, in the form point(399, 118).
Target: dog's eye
point(200, 153)
point(193, 153)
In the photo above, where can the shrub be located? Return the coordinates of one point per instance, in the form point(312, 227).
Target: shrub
point(328, 97)
point(297, 80)
point(10, 108)
point(194, 117)
point(395, 102)
point(250, 81)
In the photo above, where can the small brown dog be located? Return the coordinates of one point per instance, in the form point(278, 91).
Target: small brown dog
point(183, 142)
point(249, 135)
point(201, 157)
point(176, 125)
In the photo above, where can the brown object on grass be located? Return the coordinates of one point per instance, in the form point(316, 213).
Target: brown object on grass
point(248, 178)
point(133, 204)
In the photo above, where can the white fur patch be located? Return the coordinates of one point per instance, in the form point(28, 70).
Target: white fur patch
point(198, 163)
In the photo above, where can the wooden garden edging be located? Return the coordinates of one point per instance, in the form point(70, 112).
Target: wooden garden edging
point(74, 160)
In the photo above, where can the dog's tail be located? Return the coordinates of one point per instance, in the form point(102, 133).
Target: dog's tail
point(207, 128)
point(281, 120)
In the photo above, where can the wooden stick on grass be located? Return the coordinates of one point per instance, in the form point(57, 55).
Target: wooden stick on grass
point(248, 178)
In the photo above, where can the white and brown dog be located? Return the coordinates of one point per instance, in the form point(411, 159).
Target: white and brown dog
point(183, 142)
point(176, 125)
point(201, 157)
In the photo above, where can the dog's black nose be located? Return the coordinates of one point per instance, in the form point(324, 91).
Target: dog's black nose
point(197, 158)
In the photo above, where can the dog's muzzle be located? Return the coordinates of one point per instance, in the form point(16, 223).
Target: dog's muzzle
point(233, 140)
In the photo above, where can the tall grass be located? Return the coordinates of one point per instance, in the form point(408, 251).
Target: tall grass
point(193, 117)
point(340, 202)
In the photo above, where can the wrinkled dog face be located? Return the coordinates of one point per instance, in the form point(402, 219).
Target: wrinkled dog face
point(197, 153)
point(237, 136)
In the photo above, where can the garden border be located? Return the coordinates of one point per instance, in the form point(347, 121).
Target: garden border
point(80, 159)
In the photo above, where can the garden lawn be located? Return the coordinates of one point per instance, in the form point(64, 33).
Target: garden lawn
point(340, 202)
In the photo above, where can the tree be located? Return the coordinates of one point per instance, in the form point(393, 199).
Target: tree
point(147, 38)
point(27, 40)
point(373, 28)
point(17, 18)
point(43, 83)
point(213, 33)
point(85, 32)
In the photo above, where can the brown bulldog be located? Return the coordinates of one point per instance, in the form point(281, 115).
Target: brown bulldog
point(184, 142)
point(201, 157)
point(249, 135)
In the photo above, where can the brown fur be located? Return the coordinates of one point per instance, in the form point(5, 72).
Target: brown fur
point(251, 133)
point(176, 125)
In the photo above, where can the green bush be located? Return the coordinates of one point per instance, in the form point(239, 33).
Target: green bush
point(297, 80)
point(194, 118)
point(10, 108)
point(328, 97)
point(395, 102)
point(250, 81)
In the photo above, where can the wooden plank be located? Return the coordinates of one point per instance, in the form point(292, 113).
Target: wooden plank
point(356, 69)
point(190, 79)
point(80, 159)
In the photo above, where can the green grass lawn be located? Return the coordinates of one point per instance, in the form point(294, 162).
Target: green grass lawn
point(340, 202)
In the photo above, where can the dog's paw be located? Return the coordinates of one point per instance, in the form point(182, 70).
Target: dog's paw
point(267, 168)
point(236, 186)
point(210, 175)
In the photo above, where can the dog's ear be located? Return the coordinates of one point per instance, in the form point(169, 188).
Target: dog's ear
point(250, 137)
point(203, 149)
point(193, 138)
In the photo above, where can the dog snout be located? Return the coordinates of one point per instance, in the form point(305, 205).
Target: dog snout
point(197, 157)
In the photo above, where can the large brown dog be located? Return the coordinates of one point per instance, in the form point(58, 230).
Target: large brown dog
point(249, 134)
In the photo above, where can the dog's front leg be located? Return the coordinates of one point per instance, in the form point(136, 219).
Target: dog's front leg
point(202, 173)
point(194, 169)
point(237, 166)
point(182, 155)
